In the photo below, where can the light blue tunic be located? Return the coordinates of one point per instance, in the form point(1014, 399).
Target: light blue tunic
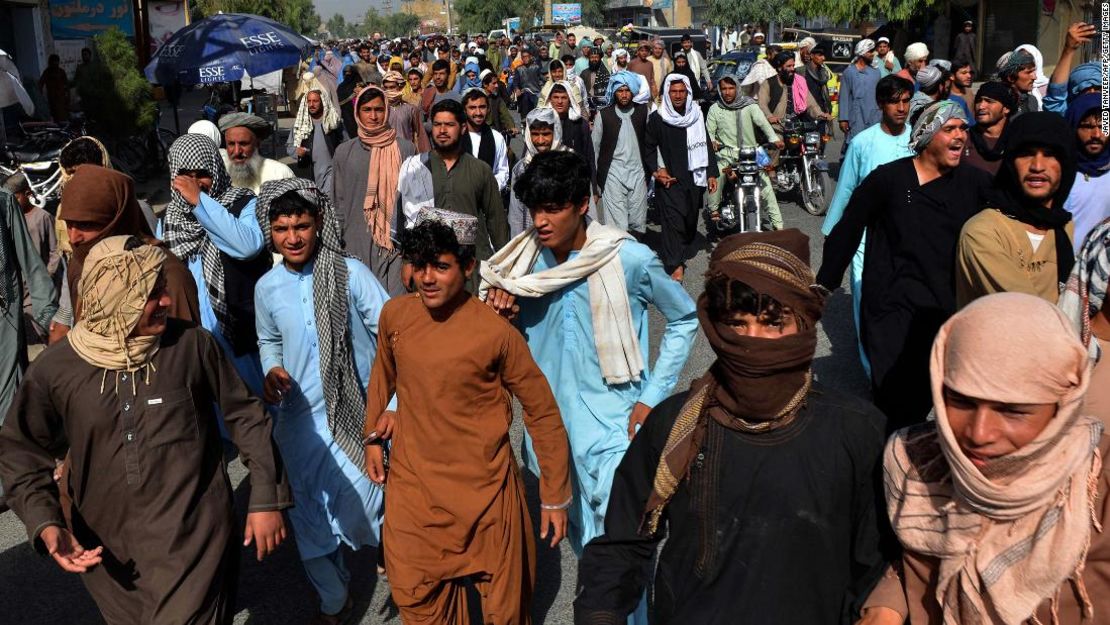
point(240, 238)
point(871, 148)
point(335, 501)
point(857, 99)
point(560, 334)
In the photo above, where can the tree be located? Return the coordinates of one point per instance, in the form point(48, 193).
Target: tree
point(338, 27)
point(479, 16)
point(116, 98)
point(394, 25)
point(300, 15)
point(855, 11)
point(734, 12)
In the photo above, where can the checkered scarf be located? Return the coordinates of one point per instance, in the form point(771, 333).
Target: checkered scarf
point(1086, 288)
point(344, 392)
point(183, 234)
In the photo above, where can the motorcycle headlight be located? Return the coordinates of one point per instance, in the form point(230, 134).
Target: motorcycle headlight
point(749, 178)
point(813, 138)
point(792, 139)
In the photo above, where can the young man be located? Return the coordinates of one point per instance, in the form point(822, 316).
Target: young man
point(317, 131)
point(576, 128)
point(404, 118)
point(960, 88)
point(317, 355)
point(817, 76)
point(1023, 240)
point(644, 67)
point(575, 87)
point(731, 124)
point(620, 60)
point(1019, 71)
point(243, 133)
point(932, 86)
point(458, 539)
point(542, 133)
point(132, 393)
point(1089, 200)
point(887, 141)
point(448, 177)
point(622, 173)
point(912, 210)
point(213, 228)
point(1023, 545)
point(481, 141)
point(584, 291)
point(1065, 85)
point(763, 481)
point(676, 133)
point(994, 105)
point(527, 82)
point(499, 117)
point(367, 170)
point(438, 91)
point(661, 65)
point(698, 65)
point(965, 45)
point(367, 65)
point(858, 110)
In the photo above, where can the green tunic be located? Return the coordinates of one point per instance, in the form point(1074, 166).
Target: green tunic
point(732, 129)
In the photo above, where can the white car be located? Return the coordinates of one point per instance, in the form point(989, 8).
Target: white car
point(496, 34)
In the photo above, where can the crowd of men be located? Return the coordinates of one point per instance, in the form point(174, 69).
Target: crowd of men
point(440, 274)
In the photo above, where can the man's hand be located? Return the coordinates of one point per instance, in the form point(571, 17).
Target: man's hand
point(502, 302)
point(67, 552)
point(712, 185)
point(557, 520)
point(266, 529)
point(774, 119)
point(383, 428)
point(1079, 33)
point(716, 146)
point(880, 616)
point(844, 126)
point(375, 462)
point(301, 151)
point(889, 64)
point(779, 144)
point(639, 414)
point(662, 177)
point(276, 385)
point(188, 188)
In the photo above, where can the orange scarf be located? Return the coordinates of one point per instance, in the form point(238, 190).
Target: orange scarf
point(385, 167)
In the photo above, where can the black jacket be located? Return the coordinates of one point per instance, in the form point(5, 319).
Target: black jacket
point(670, 141)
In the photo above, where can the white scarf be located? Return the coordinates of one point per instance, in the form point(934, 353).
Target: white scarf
point(618, 348)
point(697, 149)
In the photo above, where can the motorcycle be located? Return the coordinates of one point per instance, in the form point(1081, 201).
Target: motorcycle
point(741, 208)
point(802, 167)
point(36, 157)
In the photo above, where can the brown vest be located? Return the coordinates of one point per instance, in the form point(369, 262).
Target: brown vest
point(610, 131)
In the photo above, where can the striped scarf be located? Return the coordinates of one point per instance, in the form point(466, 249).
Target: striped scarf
point(344, 392)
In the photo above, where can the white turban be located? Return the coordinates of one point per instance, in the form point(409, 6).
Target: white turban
point(808, 43)
point(916, 51)
point(864, 46)
point(208, 129)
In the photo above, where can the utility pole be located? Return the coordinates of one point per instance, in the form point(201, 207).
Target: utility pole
point(547, 19)
point(447, 3)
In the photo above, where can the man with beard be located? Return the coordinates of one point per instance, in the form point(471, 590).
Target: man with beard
point(885, 61)
point(1018, 72)
point(731, 124)
point(858, 110)
point(913, 210)
point(994, 104)
point(213, 227)
point(576, 129)
point(645, 68)
point(887, 141)
point(621, 60)
point(960, 87)
point(367, 170)
point(527, 82)
point(763, 481)
point(404, 118)
point(1089, 200)
point(1022, 240)
point(367, 65)
point(452, 179)
point(317, 131)
point(481, 141)
point(622, 173)
point(785, 94)
point(438, 91)
point(596, 78)
point(243, 133)
point(676, 149)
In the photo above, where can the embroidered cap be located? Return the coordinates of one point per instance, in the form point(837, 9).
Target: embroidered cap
point(465, 226)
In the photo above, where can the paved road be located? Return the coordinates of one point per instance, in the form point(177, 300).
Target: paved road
point(33, 591)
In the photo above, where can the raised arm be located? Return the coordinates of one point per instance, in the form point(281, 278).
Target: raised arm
point(239, 237)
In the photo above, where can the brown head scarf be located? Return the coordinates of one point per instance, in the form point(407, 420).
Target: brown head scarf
point(1007, 535)
point(385, 168)
point(104, 197)
point(757, 384)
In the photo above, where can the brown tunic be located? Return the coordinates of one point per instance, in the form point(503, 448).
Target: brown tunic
point(455, 508)
point(147, 479)
point(912, 593)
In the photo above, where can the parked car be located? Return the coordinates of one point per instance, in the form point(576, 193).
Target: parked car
point(672, 38)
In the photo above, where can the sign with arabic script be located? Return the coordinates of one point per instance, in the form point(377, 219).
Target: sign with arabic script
point(83, 19)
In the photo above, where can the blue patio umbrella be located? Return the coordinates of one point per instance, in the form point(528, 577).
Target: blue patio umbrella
point(220, 48)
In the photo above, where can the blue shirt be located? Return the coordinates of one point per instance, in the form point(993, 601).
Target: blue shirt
point(335, 500)
point(857, 99)
point(871, 148)
point(1089, 204)
point(559, 330)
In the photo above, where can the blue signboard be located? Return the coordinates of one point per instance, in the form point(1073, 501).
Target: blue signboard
point(566, 13)
point(662, 4)
point(83, 19)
